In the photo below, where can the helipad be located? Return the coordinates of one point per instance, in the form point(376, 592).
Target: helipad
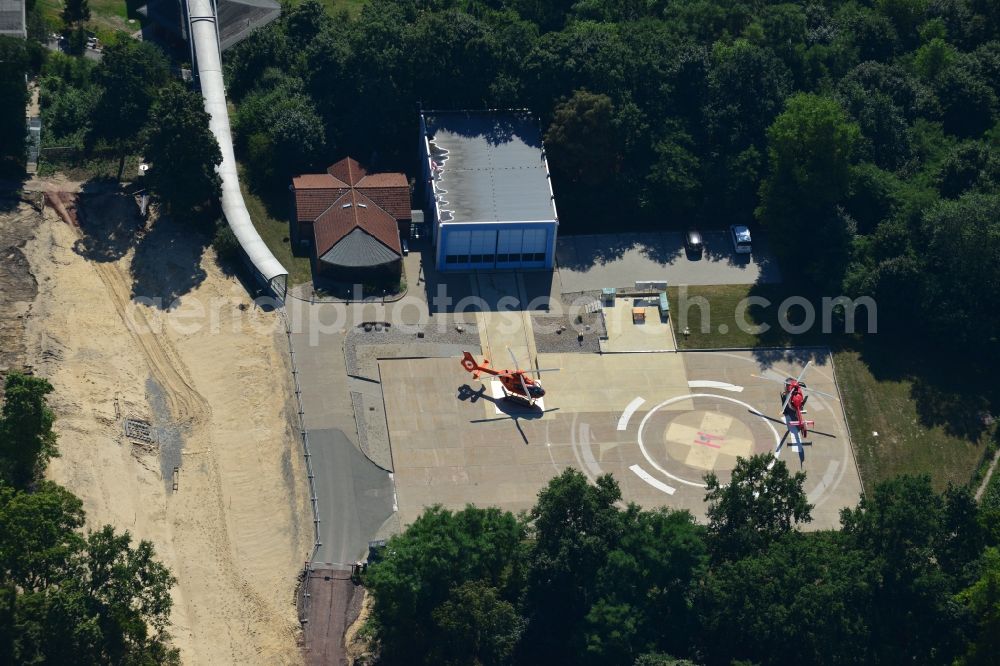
point(657, 422)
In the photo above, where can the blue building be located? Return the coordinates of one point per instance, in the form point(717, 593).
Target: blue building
point(489, 197)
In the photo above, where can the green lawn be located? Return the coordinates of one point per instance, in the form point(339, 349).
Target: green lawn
point(874, 404)
point(903, 445)
point(108, 18)
point(713, 318)
point(275, 235)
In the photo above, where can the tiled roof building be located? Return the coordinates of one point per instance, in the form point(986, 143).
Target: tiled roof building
point(350, 217)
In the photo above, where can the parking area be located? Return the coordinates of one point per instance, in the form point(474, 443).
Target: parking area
point(657, 422)
point(590, 263)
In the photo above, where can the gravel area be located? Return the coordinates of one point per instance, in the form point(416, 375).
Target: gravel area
point(551, 337)
point(438, 331)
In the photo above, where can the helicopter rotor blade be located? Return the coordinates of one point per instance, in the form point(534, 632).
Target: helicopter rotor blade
point(513, 358)
point(770, 379)
point(784, 405)
point(524, 385)
point(528, 415)
point(781, 443)
point(820, 432)
point(825, 395)
point(539, 371)
point(765, 416)
point(803, 373)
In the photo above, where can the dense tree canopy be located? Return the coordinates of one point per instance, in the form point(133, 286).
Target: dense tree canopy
point(26, 438)
point(183, 151)
point(68, 597)
point(582, 579)
point(761, 502)
point(13, 99)
point(130, 74)
point(839, 123)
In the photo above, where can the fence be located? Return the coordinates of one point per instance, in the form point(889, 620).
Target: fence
point(304, 434)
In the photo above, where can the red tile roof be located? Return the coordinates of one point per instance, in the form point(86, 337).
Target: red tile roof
point(347, 170)
point(310, 203)
point(394, 200)
point(318, 181)
point(383, 180)
point(315, 192)
point(352, 211)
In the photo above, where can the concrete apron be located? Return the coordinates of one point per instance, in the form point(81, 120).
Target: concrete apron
point(509, 325)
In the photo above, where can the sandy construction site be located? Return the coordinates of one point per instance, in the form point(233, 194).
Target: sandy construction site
point(204, 375)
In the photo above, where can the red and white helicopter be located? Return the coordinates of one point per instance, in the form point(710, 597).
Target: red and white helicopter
point(516, 384)
point(518, 387)
point(793, 406)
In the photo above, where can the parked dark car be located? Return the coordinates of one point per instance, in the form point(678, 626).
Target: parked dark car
point(693, 242)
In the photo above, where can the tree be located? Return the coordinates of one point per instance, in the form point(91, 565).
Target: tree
point(575, 526)
point(969, 103)
point(281, 130)
point(38, 535)
point(901, 528)
point(674, 177)
point(476, 626)
point(760, 503)
point(75, 11)
point(660, 659)
point(131, 74)
point(934, 58)
point(804, 599)
point(810, 146)
point(970, 165)
point(982, 599)
point(182, 150)
point(249, 58)
point(582, 139)
point(425, 566)
point(66, 598)
point(905, 14)
point(13, 100)
point(746, 88)
point(959, 235)
point(26, 438)
point(643, 591)
point(885, 138)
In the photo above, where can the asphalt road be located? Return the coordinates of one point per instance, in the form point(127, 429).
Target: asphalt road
point(355, 497)
point(589, 263)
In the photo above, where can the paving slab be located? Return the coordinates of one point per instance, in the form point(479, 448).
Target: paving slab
point(625, 334)
point(657, 422)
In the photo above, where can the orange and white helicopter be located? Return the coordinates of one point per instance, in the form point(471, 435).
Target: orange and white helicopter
point(517, 384)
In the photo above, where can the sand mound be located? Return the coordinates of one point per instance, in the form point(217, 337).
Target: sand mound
point(210, 377)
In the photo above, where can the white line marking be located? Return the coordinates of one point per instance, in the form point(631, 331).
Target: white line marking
point(649, 414)
point(656, 483)
point(629, 411)
point(707, 383)
point(588, 455)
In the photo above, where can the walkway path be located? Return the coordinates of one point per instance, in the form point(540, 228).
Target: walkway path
point(986, 478)
point(508, 328)
point(354, 496)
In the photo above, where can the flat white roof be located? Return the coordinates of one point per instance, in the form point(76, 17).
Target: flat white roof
point(488, 166)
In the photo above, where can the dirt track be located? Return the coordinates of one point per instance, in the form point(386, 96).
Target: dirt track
point(17, 283)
